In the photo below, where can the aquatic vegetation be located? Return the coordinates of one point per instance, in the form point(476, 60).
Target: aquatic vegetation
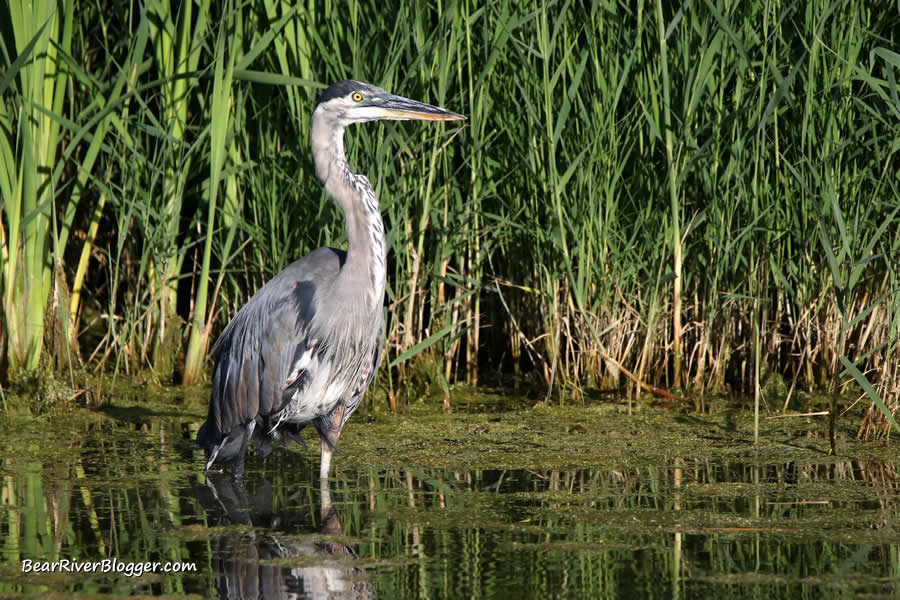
point(545, 501)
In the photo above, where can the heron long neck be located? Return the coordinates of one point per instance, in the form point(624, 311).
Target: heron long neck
point(363, 273)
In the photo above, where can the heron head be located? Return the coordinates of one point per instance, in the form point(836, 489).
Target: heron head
point(347, 102)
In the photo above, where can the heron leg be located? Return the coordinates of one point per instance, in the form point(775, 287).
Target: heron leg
point(327, 451)
point(331, 523)
point(237, 470)
point(329, 437)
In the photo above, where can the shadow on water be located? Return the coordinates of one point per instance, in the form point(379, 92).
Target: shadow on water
point(527, 504)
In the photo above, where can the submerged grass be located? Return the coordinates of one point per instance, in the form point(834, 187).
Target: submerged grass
point(567, 438)
point(705, 195)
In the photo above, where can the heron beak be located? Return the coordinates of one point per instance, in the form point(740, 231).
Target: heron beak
point(403, 109)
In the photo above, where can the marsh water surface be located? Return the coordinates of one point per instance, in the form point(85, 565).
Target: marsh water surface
point(498, 499)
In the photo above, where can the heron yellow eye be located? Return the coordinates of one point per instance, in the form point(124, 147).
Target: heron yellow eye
point(357, 97)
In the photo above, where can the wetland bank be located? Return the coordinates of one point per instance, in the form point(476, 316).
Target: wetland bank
point(503, 497)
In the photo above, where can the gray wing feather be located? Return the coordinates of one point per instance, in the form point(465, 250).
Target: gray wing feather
point(255, 352)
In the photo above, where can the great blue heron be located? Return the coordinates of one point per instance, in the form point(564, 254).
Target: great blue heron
point(305, 347)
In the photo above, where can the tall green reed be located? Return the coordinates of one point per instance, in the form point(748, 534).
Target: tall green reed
point(32, 89)
point(177, 33)
point(221, 144)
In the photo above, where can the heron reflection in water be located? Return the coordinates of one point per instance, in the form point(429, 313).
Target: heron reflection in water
point(264, 553)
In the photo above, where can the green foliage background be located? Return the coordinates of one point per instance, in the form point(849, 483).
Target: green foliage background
point(704, 211)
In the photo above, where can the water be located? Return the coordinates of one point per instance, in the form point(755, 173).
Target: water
point(486, 503)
